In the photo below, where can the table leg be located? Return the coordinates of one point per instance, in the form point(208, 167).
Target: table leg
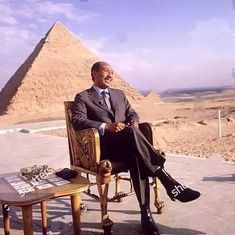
point(6, 219)
point(27, 219)
point(44, 217)
point(75, 204)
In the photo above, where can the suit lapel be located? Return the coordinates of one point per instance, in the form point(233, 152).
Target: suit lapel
point(113, 100)
point(97, 99)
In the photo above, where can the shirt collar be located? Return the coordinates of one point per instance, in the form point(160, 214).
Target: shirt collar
point(99, 90)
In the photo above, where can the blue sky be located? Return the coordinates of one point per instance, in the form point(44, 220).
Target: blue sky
point(153, 44)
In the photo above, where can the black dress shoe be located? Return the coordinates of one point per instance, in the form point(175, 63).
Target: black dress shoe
point(174, 189)
point(148, 224)
point(183, 194)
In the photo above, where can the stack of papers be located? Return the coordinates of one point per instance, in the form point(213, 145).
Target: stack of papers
point(23, 187)
point(57, 180)
point(19, 184)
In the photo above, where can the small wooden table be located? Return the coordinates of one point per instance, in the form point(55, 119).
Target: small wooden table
point(10, 197)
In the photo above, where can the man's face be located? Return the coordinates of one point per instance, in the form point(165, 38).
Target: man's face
point(104, 76)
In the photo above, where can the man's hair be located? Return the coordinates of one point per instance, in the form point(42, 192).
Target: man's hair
point(96, 67)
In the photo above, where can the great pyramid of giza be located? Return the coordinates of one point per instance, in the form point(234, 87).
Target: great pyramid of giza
point(56, 70)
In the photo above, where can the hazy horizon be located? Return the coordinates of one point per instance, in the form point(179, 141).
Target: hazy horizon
point(154, 45)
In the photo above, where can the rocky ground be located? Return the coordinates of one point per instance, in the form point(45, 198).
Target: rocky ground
point(199, 139)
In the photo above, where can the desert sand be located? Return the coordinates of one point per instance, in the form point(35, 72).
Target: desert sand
point(190, 127)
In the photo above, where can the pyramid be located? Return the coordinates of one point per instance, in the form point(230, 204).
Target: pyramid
point(151, 98)
point(57, 69)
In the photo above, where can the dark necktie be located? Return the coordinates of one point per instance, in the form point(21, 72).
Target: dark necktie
point(105, 96)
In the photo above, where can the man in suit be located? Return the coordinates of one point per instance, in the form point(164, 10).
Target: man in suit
point(109, 111)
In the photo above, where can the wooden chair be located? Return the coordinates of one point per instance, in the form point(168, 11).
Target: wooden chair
point(84, 151)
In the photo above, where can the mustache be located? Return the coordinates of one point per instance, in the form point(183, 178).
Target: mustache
point(109, 77)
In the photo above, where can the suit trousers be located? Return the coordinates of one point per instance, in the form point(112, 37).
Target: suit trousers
point(127, 146)
point(131, 147)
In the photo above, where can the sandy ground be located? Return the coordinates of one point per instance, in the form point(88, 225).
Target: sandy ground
point(191, 127)
point(191, 138)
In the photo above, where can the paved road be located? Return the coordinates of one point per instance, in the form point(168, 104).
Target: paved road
point(213, 213)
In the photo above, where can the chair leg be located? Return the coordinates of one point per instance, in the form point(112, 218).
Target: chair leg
point(118, 193)
point(158, 202)
point(107, 223)
point(117, 184)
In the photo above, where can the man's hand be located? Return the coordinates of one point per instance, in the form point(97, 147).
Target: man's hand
point(115, 127)
point(133, 123)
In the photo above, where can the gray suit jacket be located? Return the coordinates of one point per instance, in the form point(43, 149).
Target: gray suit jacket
point(90, 109)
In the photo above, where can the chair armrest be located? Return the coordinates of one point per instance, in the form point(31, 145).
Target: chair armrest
point(85, 146)
point(89, 144)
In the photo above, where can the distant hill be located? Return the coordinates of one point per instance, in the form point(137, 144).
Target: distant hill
point(182, 92)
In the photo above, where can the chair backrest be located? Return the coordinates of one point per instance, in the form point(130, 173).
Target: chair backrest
point(84, 148)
